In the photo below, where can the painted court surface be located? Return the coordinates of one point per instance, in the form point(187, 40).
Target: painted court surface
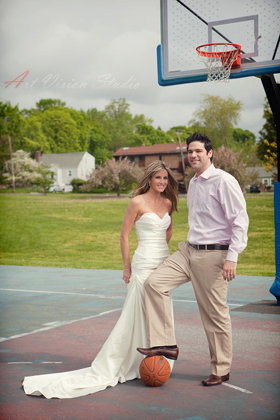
point(56, 319)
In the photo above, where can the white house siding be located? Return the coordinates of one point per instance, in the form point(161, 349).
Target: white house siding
point(86, 166)
point(68, 178)
point(57, 177)
point(67, 166)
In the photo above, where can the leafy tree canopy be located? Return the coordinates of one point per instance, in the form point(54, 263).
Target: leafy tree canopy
point(244, 141)
point(216, 118)
point(148, 135)
point(11, 123)
point(119, 123)
point(52, 127)
point(267, 146)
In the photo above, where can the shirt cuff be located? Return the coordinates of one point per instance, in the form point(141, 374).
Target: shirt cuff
point(232, 256)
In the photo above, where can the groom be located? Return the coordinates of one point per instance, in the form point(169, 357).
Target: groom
point(218, 225)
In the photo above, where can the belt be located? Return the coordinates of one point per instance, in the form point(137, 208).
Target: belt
point(210, 247)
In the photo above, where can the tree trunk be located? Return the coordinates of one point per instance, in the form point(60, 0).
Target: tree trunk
point(12, 163)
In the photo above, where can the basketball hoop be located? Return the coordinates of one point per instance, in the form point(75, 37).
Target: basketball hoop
point(219, 59)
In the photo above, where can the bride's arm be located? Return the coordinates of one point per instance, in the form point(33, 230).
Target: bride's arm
point(127, 225)
point(169, 231)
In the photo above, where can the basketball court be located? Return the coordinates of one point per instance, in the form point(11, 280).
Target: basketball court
point(56, 319)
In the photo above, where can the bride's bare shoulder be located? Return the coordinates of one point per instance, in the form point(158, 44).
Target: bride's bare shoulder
point(136, 203)
point(138, 200)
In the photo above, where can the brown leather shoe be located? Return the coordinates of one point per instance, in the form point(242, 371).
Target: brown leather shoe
point(167, 352)
point(215, 380)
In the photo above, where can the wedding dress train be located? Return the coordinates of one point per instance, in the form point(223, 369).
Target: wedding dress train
point(118, 360)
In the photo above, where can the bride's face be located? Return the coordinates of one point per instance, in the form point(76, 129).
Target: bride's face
point(159, 181)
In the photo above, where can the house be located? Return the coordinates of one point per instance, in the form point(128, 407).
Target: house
point(266, 178)
point(170, 153)
point(68, 166)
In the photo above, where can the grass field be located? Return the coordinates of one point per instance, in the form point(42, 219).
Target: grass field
point(82, 231)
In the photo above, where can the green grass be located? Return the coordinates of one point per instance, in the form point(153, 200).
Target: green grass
point(82, 231)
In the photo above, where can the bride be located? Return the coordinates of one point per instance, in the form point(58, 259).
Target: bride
point(150, 211)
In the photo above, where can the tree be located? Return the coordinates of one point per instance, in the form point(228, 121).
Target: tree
point(267, 146)
point(270, 157)
point(44, 180)
point(33, 137)
point(45, 104)
point(185, 133)
point(148, 135)
point(11, 123)
point(98, 143)
point(61, 131)
point(53, 128)
point(245, 142)
point(230, 161)
point(242, 138)
point(114, 175)
point(27, 171)
point(216, 118)
point(119, 123)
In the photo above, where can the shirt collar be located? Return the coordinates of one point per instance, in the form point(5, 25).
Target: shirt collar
point(207, 173)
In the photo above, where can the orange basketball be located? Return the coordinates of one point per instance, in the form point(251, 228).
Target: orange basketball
point(154, 370)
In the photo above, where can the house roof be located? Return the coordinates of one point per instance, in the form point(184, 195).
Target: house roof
point(262, 172)
point(64, 160)
point(162, 148)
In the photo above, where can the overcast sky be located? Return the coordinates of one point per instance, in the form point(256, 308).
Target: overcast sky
point(94, 42)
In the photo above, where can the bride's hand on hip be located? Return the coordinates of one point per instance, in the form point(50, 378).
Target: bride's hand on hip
point(126, 274)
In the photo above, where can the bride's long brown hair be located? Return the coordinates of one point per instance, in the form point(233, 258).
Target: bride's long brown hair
point(170, 192)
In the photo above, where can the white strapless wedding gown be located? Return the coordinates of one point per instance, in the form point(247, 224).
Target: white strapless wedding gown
point(118, 360)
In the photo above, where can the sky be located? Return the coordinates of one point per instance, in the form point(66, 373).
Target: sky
point(89, 52)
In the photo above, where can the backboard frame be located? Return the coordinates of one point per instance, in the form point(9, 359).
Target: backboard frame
point(249, 67)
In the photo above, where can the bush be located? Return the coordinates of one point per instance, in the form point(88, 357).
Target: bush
point(76, 184)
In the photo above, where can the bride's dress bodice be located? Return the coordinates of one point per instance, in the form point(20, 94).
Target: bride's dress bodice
point(152, 247)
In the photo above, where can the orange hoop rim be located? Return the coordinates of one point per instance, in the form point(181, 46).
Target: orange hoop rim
point(211, 53)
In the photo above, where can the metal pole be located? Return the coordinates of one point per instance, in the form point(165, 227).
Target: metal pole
point(182, 157)
point(183, 162)
point(12, 164)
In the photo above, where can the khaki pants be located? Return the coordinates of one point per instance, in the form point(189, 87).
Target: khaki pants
point(204, 269)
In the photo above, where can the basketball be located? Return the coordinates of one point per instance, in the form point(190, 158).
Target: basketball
point(154, 370)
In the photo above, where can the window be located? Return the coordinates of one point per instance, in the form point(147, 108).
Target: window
point(141, 162)
point(265, 181)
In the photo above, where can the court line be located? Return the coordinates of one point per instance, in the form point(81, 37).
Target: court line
point(30, 363)
point(237, 388)
point(57, 324)
point(63, 293)
point(95, 295)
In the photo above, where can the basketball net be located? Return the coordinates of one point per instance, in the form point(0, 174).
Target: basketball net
point(219, 59)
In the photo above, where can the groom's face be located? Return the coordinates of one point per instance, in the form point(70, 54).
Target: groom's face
point(198, 157)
